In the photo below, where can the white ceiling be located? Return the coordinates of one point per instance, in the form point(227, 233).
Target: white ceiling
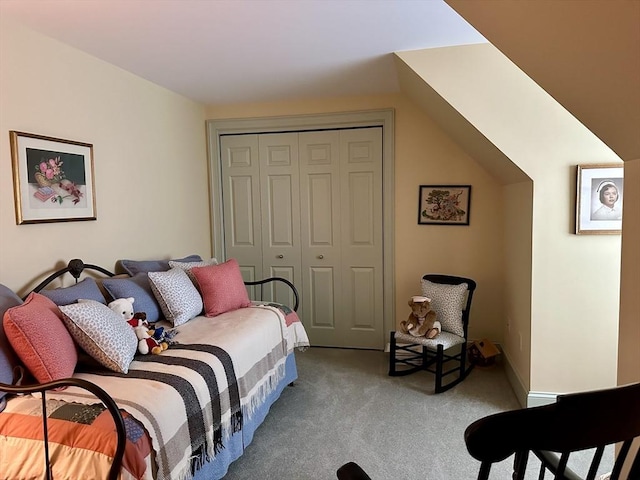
point(231, 51)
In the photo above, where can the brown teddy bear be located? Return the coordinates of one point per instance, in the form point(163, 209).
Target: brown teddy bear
point(422, 321)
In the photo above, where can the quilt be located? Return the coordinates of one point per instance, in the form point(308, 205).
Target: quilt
point(81, 439)
point(195, 394)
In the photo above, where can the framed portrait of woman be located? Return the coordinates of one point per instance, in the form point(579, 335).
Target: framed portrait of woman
point(599, 192)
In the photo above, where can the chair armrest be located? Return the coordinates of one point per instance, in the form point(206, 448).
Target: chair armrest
point(103, 396)
point(278, 279)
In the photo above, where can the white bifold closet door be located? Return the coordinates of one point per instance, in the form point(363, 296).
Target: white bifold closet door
point(307, 206)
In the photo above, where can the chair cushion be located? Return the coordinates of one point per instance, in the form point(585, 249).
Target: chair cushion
point(446, 339)
point(447, 301)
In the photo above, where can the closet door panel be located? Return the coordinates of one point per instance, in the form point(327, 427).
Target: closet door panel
point(361, 240)
point(320, 235)
point(322, 301)
point(241, 207)
point(280, 193)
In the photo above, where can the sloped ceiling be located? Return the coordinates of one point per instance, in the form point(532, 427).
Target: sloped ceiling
point(585, 54)
point(468, 137)
point(235, 51)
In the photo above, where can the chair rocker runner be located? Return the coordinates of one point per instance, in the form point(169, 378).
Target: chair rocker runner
point(451, 299)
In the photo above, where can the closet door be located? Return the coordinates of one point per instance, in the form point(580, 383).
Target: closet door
point(280, 211)
point(342, 255)
point(242, 203)
point(307, 206)
point(361, 317)
point(320, 236)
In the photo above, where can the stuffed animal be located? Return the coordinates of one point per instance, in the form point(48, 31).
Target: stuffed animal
point(163, 336)
point(422, 320)
point(138, 321)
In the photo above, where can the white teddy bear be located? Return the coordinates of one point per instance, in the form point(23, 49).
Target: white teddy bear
point(146, 343)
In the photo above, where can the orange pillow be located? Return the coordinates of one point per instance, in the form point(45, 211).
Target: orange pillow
point(40, 339)
point(221, 287)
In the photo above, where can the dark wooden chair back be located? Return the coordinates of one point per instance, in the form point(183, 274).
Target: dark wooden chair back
point(580, 421)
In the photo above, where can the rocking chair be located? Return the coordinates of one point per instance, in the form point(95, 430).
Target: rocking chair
point(451, 299)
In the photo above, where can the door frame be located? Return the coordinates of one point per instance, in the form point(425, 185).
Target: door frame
point(331, 121)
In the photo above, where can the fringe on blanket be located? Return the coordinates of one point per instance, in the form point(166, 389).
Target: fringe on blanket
point(265, 389)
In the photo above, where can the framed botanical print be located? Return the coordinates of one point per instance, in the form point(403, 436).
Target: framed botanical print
point(52, 179)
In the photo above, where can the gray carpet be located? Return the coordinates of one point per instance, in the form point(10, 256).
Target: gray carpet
point(344, 407)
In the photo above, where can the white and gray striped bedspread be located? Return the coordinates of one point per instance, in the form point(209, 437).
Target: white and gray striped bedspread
point(195, 394)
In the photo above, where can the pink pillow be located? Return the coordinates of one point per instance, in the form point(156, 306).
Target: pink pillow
point(40, 339)
point(221, 287)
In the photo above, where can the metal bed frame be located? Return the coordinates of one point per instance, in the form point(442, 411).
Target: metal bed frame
point(75, 267)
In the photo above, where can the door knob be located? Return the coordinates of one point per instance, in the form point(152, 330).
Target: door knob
point(280, 256)
point(320, 257)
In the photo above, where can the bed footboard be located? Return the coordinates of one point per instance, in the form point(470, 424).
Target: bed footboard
point(94, 389)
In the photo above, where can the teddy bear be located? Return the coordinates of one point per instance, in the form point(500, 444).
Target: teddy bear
point(422, 320)
point(146, 342)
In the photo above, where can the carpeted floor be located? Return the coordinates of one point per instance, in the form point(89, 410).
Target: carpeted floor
point(344, 407)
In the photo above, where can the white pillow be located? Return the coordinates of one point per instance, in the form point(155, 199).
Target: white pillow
point(179, 299)
point(102, 333)
point(187, 266)
point(447, 301)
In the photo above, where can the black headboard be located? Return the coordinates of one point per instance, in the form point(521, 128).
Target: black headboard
point(75, 267)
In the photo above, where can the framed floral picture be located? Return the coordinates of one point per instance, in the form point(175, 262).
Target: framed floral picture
point(444, 204)
point(52, 179)
point(599, 195)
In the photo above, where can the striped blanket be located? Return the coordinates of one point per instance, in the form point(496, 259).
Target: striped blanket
point(194, 395)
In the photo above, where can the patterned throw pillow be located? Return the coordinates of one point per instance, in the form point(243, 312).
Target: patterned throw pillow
point(40, 339)
point(222, 287)
point(187, 266)
point(447, 301)
point(139, 288)
point(133, 267)
point(178, 297)
point(86, 289)
point(102, 333)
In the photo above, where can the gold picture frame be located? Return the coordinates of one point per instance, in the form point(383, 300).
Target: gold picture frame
point(53, 179)
point(599, 197)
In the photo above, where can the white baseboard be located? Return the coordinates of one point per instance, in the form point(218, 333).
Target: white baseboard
point(525, 397)
point(538, 399)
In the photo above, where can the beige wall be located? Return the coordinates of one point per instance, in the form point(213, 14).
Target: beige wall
point(425, 155)
point(518, 199)
point(149, 153)
point(570, 298)
point(149, 140)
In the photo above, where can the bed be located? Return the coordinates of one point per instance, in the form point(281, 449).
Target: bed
point(185, 413)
